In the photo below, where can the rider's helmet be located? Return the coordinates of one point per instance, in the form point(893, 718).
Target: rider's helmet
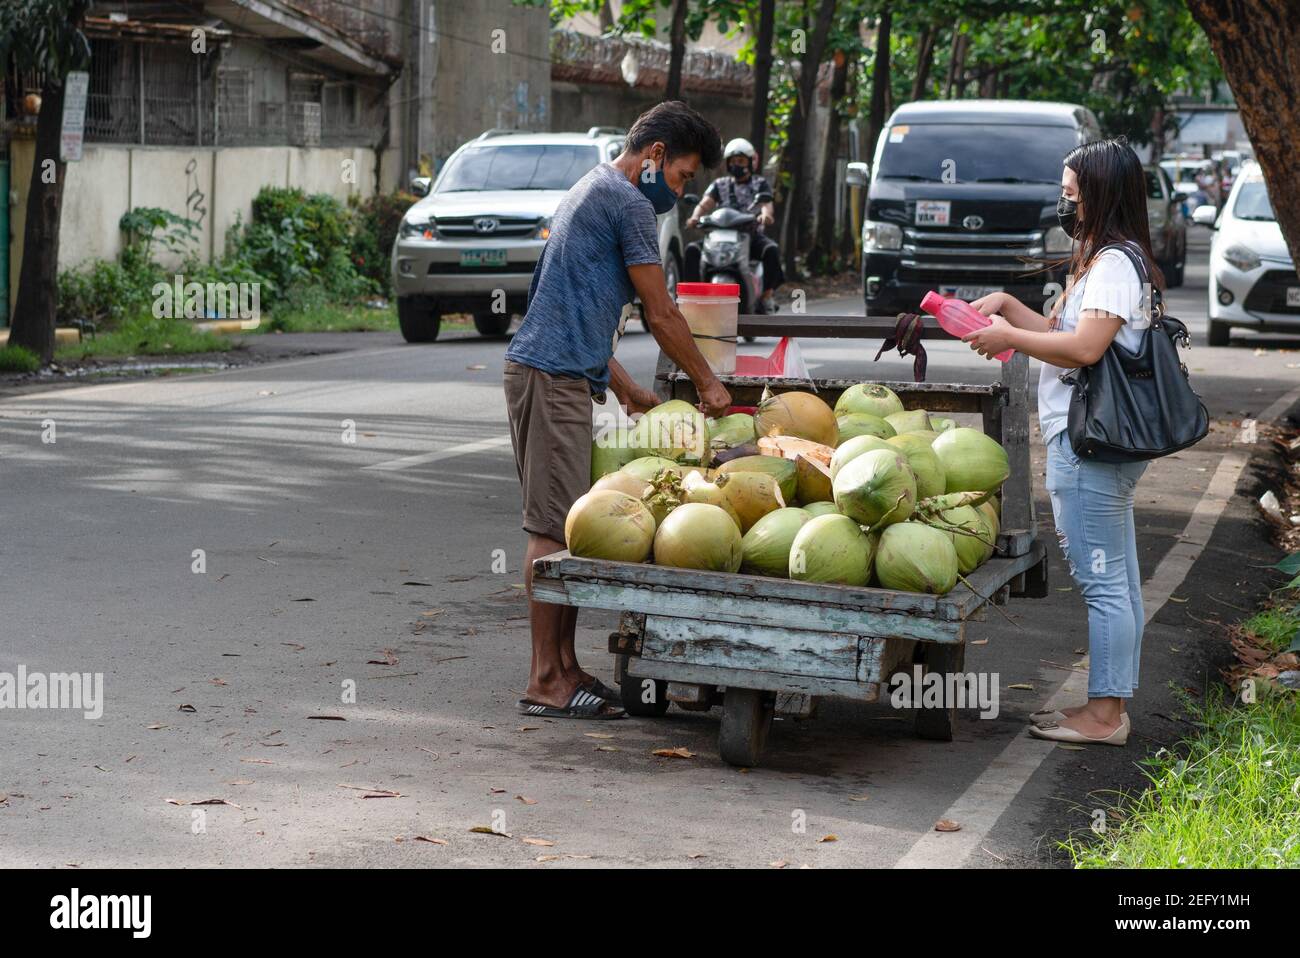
point(741, 147)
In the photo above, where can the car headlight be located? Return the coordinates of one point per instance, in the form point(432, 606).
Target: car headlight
point(878, 236)
point(412, 228)
point(1057, 240)
point(543, 229)
point(1242, 257)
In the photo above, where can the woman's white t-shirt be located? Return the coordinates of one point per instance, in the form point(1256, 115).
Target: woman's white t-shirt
point(1112, 285)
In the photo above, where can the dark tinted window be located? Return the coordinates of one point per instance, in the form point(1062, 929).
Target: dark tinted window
point(1252, 203)
point(1155, 185)
point(989, 153)
point(542, 167)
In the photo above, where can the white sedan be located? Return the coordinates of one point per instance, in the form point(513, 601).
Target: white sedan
point(1253, 281)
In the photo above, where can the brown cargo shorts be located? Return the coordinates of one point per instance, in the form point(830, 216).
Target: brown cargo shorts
point(550, 428)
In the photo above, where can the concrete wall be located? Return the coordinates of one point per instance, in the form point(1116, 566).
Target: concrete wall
point(211, 187)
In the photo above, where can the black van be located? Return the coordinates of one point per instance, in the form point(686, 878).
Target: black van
point(962, 200)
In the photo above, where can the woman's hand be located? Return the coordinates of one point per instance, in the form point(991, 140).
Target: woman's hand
point(993, 338)
point(993, 303)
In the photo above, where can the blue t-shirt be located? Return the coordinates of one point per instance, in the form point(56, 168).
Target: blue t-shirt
point(581, 295)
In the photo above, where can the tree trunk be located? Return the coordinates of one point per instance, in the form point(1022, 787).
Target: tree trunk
point(606, 16)
point(924, 61)
point(956, 67)
point(677, 51)
point(1256, 43)
point(762, 76)
point(34, 310)
point(879, 81)
point(823, 251)
point(792, 162)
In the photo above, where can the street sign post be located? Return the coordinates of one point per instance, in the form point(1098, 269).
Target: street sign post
point(75, 89)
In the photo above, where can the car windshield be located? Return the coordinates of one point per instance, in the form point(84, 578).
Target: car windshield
point(1016, 154)
point(499, 167)
point(1252, 203)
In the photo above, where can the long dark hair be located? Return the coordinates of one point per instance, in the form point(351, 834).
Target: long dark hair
point(1113, 197)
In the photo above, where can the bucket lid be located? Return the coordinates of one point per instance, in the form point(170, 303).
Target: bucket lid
point(708, 289)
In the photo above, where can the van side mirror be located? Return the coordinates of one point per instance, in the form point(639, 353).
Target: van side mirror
point(857, 174)
point(1205, 215)
point(420, 185)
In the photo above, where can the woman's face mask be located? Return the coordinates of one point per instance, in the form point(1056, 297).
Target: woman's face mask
point(1067, 213)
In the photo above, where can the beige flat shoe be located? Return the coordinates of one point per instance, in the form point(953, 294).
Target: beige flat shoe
point(1042, 716)
point(1059, 733)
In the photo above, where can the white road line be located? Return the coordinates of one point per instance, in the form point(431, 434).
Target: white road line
point(1279, 408)
point(406, 462)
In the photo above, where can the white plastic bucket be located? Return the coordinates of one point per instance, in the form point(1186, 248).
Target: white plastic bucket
point(711, 311)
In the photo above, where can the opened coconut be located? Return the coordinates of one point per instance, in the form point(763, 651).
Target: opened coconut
point(796, 414)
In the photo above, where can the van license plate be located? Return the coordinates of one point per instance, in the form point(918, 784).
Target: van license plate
point(933, 212)
point(969, 294)
point(482, 257)
point(1293, 295)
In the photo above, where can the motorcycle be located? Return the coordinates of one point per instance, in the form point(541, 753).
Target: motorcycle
point(724, 254)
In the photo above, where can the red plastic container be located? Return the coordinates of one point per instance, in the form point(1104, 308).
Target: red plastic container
point(958, 317)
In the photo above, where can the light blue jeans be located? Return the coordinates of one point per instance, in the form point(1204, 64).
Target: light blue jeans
point(1093, 506)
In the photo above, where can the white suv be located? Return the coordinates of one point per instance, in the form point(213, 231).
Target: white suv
point(1253, 282)
point(471, 244)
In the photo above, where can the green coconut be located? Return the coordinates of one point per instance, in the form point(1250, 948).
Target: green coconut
point(877, 488)
point(925, 464)
point(766, 546)
point(822, 509)
point(943, 425)
point(673, 430)
point(783, 471)
point(797, 414)
point(697, 535)
point(610, 525)
point(971, 534)
point(854, 448)
point(870, 398)
point(647, 467)
point(610, 452)
point(862, 424)
point(972, 461)
point(730, 431)
point(929, 435)
point(831, 549)
point(910, 420)
point(914, 557)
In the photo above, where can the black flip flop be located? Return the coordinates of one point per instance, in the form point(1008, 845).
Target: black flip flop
point(597, 687)
point(582, 705)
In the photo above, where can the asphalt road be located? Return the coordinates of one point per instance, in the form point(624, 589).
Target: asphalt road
point(331, 562)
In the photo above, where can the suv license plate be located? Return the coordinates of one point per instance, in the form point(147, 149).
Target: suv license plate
point(1293, 295)
point(482, 257)
point(969, 294)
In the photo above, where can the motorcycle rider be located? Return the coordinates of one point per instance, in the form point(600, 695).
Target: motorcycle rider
point(737, 190)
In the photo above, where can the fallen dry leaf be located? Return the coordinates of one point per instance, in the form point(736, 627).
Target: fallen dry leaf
point(431, 841)
point(544, 843)
point(680, 752)
point(528, 728)
point(489, 830)
point(389, 658)
point(257, 761)
point(1024, 686)
point(828, 838)
point(696, 855)
point(779, 863)
point(373, 792)
point(548, 858)
point(186, 708)
point(526, 800)
point(328, 718)
point(597, 735)
point(241, 781)
point(607, 748)
point(155, 727)
point(858, 798)
point(946, 825)
point(218, 681)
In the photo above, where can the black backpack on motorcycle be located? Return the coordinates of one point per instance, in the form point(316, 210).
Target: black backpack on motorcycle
point(1131, 406)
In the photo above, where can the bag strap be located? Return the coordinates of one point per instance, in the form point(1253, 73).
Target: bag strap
point(1156, 306)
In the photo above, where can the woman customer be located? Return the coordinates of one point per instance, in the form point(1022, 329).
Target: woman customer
point(1102, 204)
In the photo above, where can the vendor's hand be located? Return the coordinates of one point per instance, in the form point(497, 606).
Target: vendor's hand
point(764, 219)
point(642, 400)
point(692, 221)
point(992, 339)
point(714, 399)
point(992, 303)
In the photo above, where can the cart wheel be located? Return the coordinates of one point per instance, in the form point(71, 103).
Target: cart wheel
point(746, 718)
point(635, 691)
point(942, 657)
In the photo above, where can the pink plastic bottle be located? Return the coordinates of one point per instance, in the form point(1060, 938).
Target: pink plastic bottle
point(957, 317)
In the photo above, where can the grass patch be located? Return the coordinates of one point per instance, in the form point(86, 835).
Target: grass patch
point(1275, 627)
point(143, 335)
point(331, 318)
point(18, 359)
point(1231, 800)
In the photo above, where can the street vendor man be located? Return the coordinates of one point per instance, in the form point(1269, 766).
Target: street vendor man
point(602, 253)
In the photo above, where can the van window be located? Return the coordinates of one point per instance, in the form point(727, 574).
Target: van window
point(992, 154)
point(550, 167)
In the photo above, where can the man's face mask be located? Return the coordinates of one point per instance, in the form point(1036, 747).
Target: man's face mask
point(739, 168)
point(654, 186)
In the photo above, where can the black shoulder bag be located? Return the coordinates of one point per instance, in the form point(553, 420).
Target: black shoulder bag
point(1131, 406)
